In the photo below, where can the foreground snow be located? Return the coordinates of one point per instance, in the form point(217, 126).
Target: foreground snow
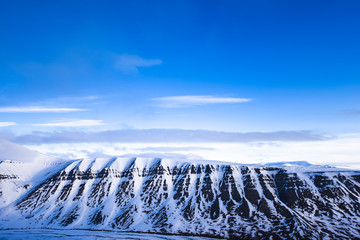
point(41, 234)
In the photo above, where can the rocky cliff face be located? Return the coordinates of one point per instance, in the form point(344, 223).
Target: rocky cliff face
point(166, 196)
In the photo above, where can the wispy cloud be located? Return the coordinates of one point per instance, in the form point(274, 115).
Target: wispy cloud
point(353, 112)
point(195, 100)
point(39, 109)
point(66, 100)
point(163, 136)
point(76, 123)
point(6, 124)
point(130, 63)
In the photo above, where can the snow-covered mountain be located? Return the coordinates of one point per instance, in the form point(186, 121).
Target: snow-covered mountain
point(196, 198)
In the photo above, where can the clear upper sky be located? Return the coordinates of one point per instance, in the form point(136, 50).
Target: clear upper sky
point(242, 66)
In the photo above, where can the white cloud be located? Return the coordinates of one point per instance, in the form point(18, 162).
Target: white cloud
point(76, 123)
point(195, 100)
point(6, 124)
point(39, 109)
point(130, 63)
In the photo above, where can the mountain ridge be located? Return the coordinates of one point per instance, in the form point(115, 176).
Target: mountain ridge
point(176, 197)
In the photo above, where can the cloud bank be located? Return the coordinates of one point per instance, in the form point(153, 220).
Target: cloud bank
point(164, 136)
point(194, 100)
point(176, 149)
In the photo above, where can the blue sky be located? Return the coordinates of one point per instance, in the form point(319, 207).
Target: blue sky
point(235, 66)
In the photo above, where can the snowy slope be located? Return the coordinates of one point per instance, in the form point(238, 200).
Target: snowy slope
point(179, 197)
point(20, 169)
point(15, 152)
